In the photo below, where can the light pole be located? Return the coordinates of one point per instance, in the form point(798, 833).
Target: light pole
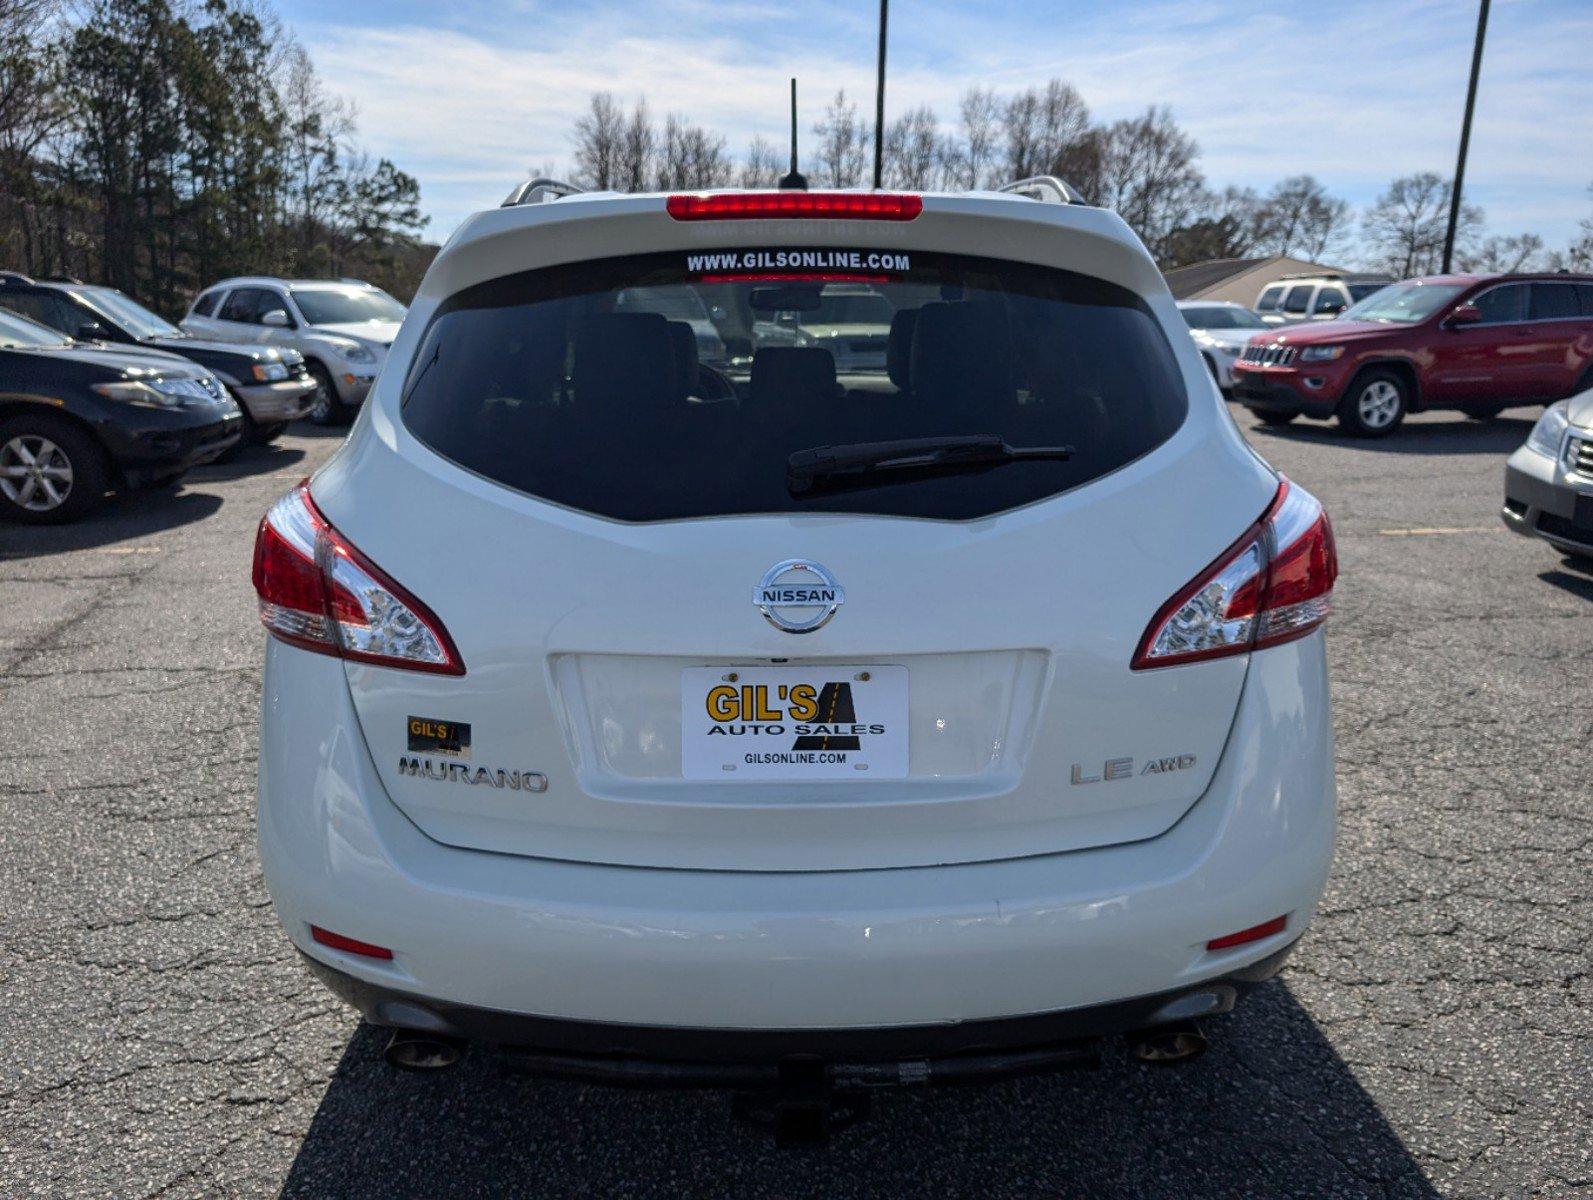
point(1465, 138)
point(879, 102)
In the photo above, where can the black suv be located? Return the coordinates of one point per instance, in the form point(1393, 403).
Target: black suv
point(270, 384)
point(78, 420)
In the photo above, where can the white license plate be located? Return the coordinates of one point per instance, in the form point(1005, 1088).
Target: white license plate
point(814, 722)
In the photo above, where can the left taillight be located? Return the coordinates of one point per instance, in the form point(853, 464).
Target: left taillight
point(317, 591)
point(1273, 585)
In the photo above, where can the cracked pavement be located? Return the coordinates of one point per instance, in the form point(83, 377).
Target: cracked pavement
point(1431, 1037)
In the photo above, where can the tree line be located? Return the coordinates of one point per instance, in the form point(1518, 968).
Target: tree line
point(1145, 167)
point(158, 145)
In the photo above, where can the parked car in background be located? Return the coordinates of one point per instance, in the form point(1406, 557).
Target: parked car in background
point(853, 322)
point(1221, 330)
point(272, 386)
point(342, 327)
point(78, 420)
point(1476, 343)
point(916, 711)
point(1297, 298)
point(1549, 480)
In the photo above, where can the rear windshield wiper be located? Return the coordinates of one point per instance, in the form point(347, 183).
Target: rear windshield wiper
point(860, 463)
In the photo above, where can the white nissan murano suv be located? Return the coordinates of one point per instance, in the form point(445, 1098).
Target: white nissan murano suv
point(769, 713)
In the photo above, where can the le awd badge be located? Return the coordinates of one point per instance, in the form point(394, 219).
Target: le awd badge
point(427, 735)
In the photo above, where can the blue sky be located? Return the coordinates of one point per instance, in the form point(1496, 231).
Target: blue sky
point(470, 95)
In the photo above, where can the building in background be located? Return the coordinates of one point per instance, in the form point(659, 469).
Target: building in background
point(1239, 280)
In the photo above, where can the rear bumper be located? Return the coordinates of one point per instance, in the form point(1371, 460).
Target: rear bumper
point(1540, 502)
point(614, 1052)
point(481, 938)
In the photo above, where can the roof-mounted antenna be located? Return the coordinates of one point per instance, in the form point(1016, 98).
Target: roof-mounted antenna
point(795, 179)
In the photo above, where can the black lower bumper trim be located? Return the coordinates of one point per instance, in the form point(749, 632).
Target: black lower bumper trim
point(686, 1057)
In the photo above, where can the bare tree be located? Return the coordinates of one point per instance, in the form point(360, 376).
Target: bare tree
point(599, 135)
point(1299, 217)
point(763, 165)
point(1149, 175)
point(1405, 227)
point(692, 157)
point(981, 133)
point(1507, 252)
point(843, 144)
point(913, 150)
point(636, 151)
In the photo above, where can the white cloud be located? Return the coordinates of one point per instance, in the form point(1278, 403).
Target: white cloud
point(1354, 92)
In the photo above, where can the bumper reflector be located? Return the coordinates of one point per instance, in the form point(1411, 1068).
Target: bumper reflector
point(1254, 934)
point(338, 942)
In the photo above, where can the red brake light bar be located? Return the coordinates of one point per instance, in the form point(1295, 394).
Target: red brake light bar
point(744, 206)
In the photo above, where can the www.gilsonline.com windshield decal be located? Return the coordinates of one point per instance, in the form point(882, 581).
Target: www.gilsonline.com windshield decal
point(797, 260)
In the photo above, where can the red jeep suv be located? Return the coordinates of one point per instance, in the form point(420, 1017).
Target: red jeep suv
point(1477, 343)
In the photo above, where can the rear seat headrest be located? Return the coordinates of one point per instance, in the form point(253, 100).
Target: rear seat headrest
point(962, 355)
point(685, 347)
point(625, 362)
point(899, 348)
point(789, 376)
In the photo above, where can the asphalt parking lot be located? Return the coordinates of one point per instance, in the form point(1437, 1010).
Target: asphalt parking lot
point(1432, 1036)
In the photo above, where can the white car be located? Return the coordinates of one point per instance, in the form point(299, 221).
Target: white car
point(689, 724)
point(1221, 331)
point(342, 327)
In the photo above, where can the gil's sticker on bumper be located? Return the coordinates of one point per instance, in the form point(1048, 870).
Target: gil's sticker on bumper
point(429, 735)
point(789, 723)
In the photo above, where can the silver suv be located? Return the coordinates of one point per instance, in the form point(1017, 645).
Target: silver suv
point(343, 328)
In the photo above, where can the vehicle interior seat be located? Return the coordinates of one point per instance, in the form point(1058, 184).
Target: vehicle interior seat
point(899, 348)
point(961, 368)
point(686, 364)
point(624, 366)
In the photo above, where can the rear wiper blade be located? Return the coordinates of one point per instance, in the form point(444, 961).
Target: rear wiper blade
point(858, 463)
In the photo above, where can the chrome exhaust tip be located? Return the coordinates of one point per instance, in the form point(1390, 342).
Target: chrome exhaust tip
point(417, 1050)
point(1168, 1045)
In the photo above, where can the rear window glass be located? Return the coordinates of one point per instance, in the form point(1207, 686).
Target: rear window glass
point(678, 385)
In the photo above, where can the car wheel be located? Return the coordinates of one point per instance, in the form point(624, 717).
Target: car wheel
point(1270, 417)
point(50, 472)
point(324, 407)
point(1375, 404)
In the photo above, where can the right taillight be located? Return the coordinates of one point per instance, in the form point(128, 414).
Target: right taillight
point(1273, 585)
point(318, 592)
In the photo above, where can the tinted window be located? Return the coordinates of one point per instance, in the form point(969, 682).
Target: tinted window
point(244, 305)
point(205, 306)
point(1269, 299)
point(1298, 299)
point(1360, 291)
point(1554, 301)
point(1500, 304)
point(547, 383)
point(47, 308)
point(1331, 300)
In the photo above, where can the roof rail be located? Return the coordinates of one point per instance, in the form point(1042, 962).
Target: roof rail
point(1314, 275)
point(14, 277)
point(539, 191)
point(1047, 189)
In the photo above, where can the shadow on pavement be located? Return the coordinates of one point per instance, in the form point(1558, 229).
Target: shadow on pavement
point(251, 460)
point(1451, 433)
point(125, 515)
point(1271, 1110)
point(1574, 577)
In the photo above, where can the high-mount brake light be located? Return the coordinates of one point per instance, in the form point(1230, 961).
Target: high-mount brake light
point(746, 206)
point(317, 591)
point(1273, 585)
